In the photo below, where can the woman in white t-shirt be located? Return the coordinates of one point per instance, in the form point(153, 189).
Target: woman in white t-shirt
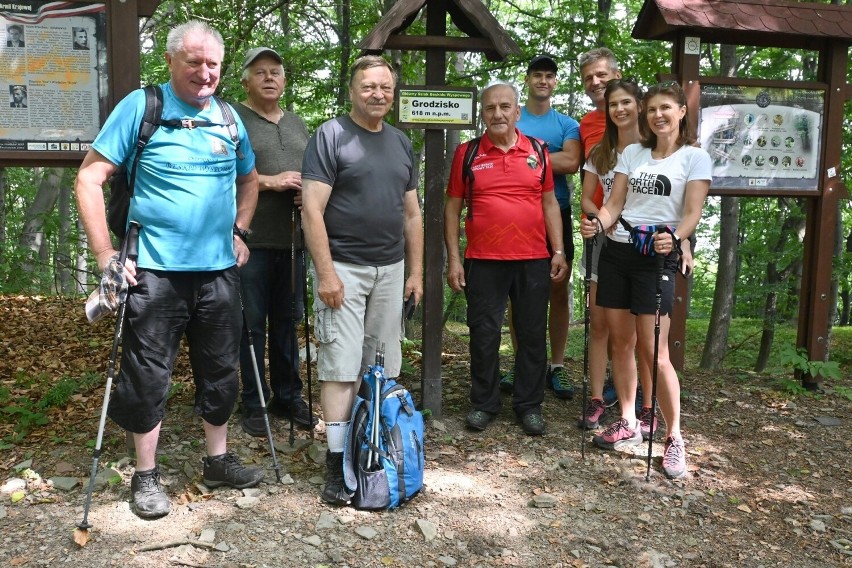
point(661, 182)
point(623, 106)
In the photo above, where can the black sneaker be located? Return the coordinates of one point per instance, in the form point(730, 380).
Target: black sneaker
point(253, 423)
point(479, 420)
point(226, 469)
point(297, 411)
point(334, 492)
point(533, 424)
point(149, 499)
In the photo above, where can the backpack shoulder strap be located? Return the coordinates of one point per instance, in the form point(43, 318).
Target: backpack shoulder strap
point(150, 123)
point(467, 173)
point(231, 124)
point(539, 149)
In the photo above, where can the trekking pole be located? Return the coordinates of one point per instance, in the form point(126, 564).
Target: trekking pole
point(304, 275)
point(378, 372)
point(661, 259)
point(129, 249)
point(291, 379)
point(258, 381)
point(587, 284)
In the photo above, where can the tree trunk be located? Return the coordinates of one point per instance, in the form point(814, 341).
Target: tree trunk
point(62, 260)
point(791, 226)
point(715, 347)
point(82, 276)
point(288, 66)
point(32, 235)
point(344, 22)
point(3, 242)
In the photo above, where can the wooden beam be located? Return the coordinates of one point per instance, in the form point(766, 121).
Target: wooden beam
point(821, 222)
point(433, 216)
point(422, 43)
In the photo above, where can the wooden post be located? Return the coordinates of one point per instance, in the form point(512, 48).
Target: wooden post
point(821, 222)
point(433, 277)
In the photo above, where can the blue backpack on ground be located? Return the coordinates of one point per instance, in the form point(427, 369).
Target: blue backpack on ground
point(383, 460)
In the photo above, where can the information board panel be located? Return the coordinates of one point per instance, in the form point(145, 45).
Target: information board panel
point(762, 138)
point(53, 69)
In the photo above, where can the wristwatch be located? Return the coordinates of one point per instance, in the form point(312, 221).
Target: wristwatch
point(558, 252)
point(241, 233)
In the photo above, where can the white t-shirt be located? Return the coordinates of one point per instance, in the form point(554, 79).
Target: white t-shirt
point(656, 188)
point(606, 180)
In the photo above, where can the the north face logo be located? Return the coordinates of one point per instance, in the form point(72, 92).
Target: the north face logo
point(651, 184)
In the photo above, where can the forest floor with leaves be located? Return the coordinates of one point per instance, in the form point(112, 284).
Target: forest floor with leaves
point(769, 484)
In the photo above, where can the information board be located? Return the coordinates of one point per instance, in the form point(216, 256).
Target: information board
point(53, 63)
point(762, 138)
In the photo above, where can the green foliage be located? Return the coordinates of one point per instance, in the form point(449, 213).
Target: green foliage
point(798, 359)
point(28, 412)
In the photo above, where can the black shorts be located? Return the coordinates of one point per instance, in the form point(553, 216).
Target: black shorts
point(567, 237)
point(627, 280)
point(160, 309)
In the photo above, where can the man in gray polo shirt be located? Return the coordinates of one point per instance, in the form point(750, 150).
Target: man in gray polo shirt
point(271, 303)
point(362, 225)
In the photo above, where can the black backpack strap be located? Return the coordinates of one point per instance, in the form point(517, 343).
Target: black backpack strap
point(150, 123)
point(539, 149)
point(228, 115)
point(467, 173)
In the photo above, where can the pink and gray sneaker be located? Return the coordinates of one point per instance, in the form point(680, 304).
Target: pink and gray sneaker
point(674, 458)
point(618, 435)
point(647, 425)
point(591, 417)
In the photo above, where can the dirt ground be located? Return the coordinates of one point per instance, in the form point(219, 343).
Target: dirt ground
point(769, 484)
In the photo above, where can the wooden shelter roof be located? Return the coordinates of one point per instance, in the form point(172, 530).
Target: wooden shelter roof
point(768, 23)
point(470, 16)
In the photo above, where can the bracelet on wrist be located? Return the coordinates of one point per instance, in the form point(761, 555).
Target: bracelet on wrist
point(243, 234)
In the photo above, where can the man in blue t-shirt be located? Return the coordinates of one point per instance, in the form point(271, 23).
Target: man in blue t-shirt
point(194, 196)
point(561, 133)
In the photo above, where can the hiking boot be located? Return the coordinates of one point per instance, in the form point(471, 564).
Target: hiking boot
point(591, 417)
point(507, 382)
point(253, 423)
point(478, 420)
point(674, 458)
point(610, 397)
point(618, 435)
point(334, 492)
point(533, 424)
point(558, 380)
point(297, 411)
point(226, 469)
point(149, 499)
point(647, 423)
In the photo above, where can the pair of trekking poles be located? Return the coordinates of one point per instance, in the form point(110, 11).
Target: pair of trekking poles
point(129, 250)
point(297, 241)
point(658, 299)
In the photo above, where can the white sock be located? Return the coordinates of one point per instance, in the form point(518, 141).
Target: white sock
point(335, 432)
point(553, 367)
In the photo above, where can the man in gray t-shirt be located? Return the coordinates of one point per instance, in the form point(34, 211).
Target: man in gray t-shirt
point(273, 276)
point(362, 223)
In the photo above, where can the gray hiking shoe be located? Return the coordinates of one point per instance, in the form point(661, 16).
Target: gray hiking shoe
point(335, 492)
point(149, 499)
point(226, 469)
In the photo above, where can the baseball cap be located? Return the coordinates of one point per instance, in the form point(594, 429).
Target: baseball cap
point(256, 52)
point(543, 61)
